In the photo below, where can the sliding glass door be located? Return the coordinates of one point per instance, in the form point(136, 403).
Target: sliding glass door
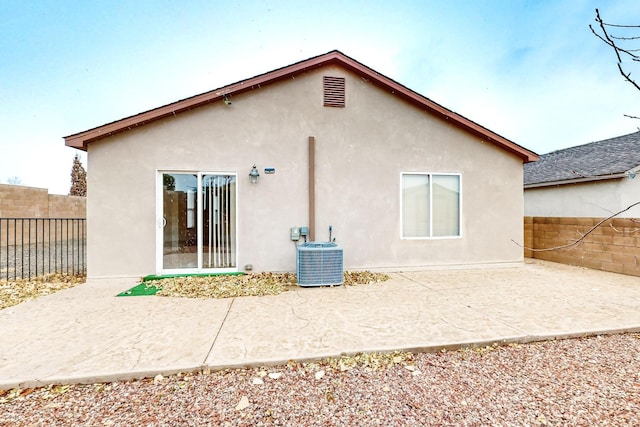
point(218, 221)
point(198, 222)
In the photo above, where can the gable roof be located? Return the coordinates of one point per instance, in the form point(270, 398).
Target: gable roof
point(608, 159)
point(81, 139)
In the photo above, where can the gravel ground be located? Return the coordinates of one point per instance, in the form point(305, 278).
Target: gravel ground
point(577, 382)
point(42, 258)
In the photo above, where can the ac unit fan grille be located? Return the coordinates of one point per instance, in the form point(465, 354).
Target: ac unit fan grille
point(319, 264)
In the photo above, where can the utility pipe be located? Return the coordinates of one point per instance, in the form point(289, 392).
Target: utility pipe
point(312, 189)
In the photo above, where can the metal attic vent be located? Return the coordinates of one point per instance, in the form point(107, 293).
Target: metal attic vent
point(319, 264)
point(333, 91)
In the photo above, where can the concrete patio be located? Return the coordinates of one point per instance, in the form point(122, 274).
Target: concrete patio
point(86, 334)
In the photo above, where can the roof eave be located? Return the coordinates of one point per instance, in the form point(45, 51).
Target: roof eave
point(576, 180)
point(82, 139)
point(444, 113)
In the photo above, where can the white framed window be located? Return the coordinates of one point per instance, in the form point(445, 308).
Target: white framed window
point(430, 205)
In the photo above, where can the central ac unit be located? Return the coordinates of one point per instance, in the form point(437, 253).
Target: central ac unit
point(319, 264)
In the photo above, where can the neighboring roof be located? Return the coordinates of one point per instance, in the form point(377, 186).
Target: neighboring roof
point(81, 139)
point(608, 159)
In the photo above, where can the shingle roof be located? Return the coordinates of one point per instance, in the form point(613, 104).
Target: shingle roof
point(597, 160)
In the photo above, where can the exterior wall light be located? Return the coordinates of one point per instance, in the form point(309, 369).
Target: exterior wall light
point(254, 175)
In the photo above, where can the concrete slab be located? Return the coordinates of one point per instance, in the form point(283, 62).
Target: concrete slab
point(316, 323)
point(86, 334)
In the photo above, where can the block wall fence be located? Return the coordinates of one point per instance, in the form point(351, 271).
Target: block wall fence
point(614, 246)
point(18, 201)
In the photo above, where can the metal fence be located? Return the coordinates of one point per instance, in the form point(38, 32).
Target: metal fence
point(31, 247)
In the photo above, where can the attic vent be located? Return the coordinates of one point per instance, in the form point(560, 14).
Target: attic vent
point(333, 91)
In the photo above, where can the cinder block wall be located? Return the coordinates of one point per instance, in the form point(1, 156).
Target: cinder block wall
point(613, 246)
point(17, 201)
point(67, 206)
point(528, 236)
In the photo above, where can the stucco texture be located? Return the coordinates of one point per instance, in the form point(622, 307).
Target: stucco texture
point(361, 151)
point(598, 199)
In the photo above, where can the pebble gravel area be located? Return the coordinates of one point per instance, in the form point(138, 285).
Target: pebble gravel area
point(29, 261)
point(591, 381)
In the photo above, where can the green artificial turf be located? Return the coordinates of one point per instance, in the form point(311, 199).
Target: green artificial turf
point(140, 289)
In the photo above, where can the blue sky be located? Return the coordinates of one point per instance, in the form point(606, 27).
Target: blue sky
point(529, 70)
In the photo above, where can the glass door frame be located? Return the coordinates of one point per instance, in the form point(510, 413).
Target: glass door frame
point(160, 223)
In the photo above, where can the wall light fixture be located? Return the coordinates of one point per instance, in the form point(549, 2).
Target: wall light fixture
point(254, 175)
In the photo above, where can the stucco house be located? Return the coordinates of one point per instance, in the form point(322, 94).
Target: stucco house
point(591, 180)
point(216, 182)
point(570, 194)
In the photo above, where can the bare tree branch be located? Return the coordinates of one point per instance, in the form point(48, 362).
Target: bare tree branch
point(619, 51)
point(627, 77)
point(619, 25)
point(577, 242)
point(626, 38)
point(609, 39)
point(606, 37)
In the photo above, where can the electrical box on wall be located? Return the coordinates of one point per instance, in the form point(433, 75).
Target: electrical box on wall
point(295, 234)
point(304, 231)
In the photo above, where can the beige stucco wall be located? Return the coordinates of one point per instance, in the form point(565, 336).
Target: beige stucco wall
point(593, 199)
point(361, 151)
